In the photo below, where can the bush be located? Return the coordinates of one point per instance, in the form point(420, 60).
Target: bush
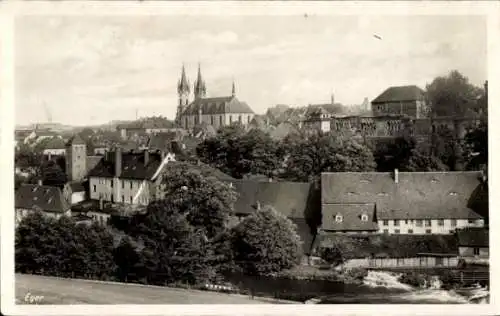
point(414, 279)
point(266, 242)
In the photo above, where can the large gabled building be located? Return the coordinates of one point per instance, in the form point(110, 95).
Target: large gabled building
point(399, 202)
point(401, 101)
point(215, 111)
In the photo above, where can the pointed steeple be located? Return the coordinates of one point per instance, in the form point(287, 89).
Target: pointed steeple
point(333, 99)
point(183, 84)
point(199, 86)
point(233, 91)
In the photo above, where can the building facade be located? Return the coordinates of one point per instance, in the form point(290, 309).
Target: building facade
point(403, 100)
point(399, 203)
point(127, 178)
point(216, 111)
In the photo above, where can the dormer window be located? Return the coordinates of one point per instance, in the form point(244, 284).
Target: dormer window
point(338, 218)
point(364, 217)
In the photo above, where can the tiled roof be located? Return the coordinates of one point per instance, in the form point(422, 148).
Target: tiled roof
point(402, 93)
point(92, 161)
point(473, 236)
point(289, 198)
point(162, 141)
point(417, 195)
point(351, 217)
point(219, 105)
point(76, 186)
point(46, 198)
point(132, 166)
point(75, 140)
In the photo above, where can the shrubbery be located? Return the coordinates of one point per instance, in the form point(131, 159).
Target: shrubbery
point(266, 242)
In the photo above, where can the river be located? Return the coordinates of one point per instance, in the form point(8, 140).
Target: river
point(378, 287)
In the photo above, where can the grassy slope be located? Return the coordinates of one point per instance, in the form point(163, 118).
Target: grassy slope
point(68, 291)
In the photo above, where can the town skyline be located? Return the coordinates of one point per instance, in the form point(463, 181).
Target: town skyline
point(92, 70)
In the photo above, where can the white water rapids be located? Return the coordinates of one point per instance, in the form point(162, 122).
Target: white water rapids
point(432, 292)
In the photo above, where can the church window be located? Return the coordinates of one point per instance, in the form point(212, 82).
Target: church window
point(131, 184)
point(131, 200)
point(94, 188)
point(212, 120)
point(239, 119)
point(220, 120)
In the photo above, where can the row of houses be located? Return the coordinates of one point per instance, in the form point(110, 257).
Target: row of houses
point(345, 203)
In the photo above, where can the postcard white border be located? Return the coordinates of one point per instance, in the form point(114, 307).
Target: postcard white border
point(8, 10)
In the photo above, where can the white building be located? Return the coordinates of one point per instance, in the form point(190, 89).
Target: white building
point(400, 202)
point(128, 178)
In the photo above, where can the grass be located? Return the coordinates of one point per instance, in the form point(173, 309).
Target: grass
point(73, 291)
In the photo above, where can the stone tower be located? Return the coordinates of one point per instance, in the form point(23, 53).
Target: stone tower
point(200, 89)
point(183, 90)
point(76, 159)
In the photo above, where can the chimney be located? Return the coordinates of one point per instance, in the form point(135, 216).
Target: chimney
point(118, 162)
point(40, 182)
point(146, 157)
point(396, 175)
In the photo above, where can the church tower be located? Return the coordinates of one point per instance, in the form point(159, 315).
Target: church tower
point(76, 159)
point(200, 90)
point(183, 90)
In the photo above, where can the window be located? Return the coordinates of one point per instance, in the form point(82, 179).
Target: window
point(396, 231)
point(212, 120)
point(186, 122)
point(112, 200)
point(230, 119)
point(452, 231)
point(440, 222)
point(453, 223)
point(386, 231)
point(476, 251)
point(248, 119)
point(338, 218)
point(385, 222)
point(111, 183)
point(123, 198)
point(419, 223)
point(396, 222)
point(220, 120)
point(131, 200)
point(471, 221)
point(364, 217)
point(410, 231)
point(428, 222)
point(94, 188)
point(428, 231)
point(406, 221)
point(131, 184)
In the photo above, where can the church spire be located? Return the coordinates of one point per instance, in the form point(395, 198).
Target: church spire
point(200, 89)
point(233, 91)
point(183, 84)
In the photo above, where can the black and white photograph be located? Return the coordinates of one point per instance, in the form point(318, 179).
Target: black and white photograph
point(247, 156)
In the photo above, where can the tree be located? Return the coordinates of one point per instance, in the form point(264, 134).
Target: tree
point(63, 248)
point(307, 158)
point(266, 242)
point(174, 250)
point(238, 153)
point(196, 193)
point(476, 147)
point(53, 175)
point(422, 159)
point(453, 95)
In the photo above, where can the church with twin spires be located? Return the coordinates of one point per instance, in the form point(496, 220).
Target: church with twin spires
point(215, 111)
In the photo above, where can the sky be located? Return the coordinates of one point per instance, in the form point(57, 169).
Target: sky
point(87, 70)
